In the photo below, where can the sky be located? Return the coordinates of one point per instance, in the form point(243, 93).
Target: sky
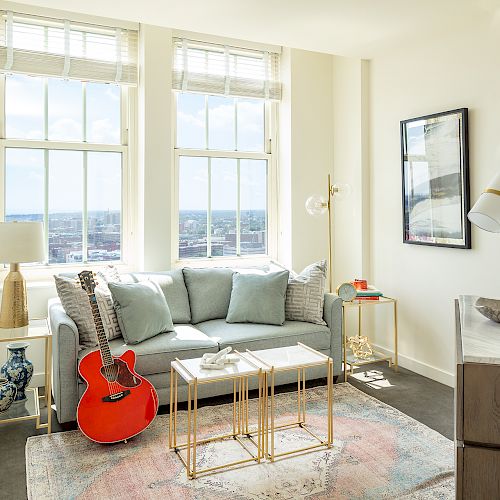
point(233, 124)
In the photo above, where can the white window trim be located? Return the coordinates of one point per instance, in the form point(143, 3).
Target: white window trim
point(270, 154)
point(127, 148)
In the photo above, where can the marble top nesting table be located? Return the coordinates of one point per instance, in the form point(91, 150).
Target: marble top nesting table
point(480, 336)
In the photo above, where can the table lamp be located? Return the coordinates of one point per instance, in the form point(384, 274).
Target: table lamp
point(485, 213)
point(19, 242)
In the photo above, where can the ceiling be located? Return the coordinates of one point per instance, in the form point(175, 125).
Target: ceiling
point(361, 28)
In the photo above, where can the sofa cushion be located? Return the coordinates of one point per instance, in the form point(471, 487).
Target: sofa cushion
point(243, 336)
point(209, 291)
point(155, 354)
point(258, 298)
point(305, 294)
point(173, 287)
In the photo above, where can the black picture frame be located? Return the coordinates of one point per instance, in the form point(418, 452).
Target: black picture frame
point(435, 179)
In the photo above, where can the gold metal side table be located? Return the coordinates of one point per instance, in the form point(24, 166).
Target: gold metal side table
point(191, 372)
point(349, 358)
point(298, 357)
point(30, 409)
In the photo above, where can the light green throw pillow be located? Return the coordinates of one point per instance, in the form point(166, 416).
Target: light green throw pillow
point(141, 309)
point(209, 291)
point(258, 298)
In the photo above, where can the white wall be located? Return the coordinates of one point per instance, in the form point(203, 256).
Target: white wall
point(351, 166)
point(433, 75)
point(306, 153)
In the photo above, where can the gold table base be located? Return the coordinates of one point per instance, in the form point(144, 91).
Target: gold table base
point(262, 438)
point(270, 418)
point(241, 427)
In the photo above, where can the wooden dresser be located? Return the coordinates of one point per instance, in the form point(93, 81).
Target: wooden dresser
point(477, 403)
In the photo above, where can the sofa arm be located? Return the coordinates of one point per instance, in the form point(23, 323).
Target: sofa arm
point(65, 346)
point(332, 314)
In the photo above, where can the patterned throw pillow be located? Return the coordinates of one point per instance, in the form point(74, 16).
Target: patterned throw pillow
point(305, 294)
point(76, 304)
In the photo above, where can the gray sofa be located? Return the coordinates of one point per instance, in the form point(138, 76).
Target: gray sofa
point(187, 341)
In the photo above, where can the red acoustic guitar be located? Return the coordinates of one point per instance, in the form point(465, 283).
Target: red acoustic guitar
point(117, 403)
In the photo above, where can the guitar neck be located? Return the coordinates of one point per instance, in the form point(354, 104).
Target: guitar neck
point(106, 356)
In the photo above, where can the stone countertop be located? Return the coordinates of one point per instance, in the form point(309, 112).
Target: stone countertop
point(480, 336)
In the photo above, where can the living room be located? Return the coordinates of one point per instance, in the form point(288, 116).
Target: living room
point(260, 165)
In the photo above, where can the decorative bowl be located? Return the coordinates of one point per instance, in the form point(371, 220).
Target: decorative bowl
point(490, 308)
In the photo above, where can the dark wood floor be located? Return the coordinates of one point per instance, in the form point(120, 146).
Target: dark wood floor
point(421, 398)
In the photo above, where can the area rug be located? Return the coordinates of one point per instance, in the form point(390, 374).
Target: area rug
point(378, 453)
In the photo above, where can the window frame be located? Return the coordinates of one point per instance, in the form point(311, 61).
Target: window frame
point(128, 97)
point(270, 141)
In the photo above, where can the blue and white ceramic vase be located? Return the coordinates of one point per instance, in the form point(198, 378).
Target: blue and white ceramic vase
point(18, 369)
point(8, 392)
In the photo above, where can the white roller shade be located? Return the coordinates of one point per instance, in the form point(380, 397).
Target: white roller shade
point(221, 69)
point(44, 46)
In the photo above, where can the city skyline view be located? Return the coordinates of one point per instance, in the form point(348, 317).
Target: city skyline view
point(231, 192)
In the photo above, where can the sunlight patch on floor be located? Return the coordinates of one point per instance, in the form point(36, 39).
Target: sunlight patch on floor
point(372, 378)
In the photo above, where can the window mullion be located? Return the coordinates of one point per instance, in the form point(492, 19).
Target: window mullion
point(236, 124)
point(209, 213)
point(46, 202)
point(84, 111)
point(46, 109)
point(206, 122)
point(238, 210)
point(85, 218)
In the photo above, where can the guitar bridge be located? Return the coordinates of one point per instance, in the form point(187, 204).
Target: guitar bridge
point(113, 398)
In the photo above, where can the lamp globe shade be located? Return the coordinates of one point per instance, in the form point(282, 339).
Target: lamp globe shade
point(316, 205)
point(485, 213)
point(21, 242)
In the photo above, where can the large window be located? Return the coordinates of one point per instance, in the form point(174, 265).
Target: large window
point(65, 90)
point(223, 148)
point(62, 155)
point(224, 164)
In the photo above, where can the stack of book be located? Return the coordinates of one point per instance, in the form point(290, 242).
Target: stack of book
point(366, 292)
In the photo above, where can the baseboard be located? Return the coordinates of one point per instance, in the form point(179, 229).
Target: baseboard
point(421, 368)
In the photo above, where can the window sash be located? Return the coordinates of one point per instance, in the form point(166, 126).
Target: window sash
point(223, 70)
point(270, 119)
point(128, 97)
point(44, 46)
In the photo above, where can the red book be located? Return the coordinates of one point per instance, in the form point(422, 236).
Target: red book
point(367, 298)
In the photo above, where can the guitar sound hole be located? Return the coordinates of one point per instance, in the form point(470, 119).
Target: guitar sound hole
point(110, 373)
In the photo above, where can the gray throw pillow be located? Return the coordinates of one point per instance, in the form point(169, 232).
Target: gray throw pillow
point(76, 304)
point(258, 298)
point(305, 294)
point(209, 291)
point(141, 309)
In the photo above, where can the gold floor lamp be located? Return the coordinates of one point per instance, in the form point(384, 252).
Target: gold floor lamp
point(19, 242)
point(317, 205)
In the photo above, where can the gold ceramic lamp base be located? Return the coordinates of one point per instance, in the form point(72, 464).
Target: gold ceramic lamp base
point(14, 312)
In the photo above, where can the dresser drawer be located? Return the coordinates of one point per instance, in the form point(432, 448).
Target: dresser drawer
point(481, 473)
point(481, 404)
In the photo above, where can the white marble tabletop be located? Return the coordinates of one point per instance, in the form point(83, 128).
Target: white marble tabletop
point(480, 336)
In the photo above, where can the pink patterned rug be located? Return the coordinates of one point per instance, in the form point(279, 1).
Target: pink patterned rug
point(378, 453)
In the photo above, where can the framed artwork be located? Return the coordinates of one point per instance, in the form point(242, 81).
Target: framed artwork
point(435, 171)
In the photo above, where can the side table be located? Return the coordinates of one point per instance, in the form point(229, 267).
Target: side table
point(353, 361)
point(194, 376)
point(30, 409)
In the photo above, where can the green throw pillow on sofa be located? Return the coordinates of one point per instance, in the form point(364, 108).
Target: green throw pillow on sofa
point(258, 298)
point(141, 309)
point(209, 291)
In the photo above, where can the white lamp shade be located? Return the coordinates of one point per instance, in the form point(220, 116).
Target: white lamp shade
point(21, 242)
point(485, 213)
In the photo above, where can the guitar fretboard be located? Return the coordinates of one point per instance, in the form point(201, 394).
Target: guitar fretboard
point(107, 358)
